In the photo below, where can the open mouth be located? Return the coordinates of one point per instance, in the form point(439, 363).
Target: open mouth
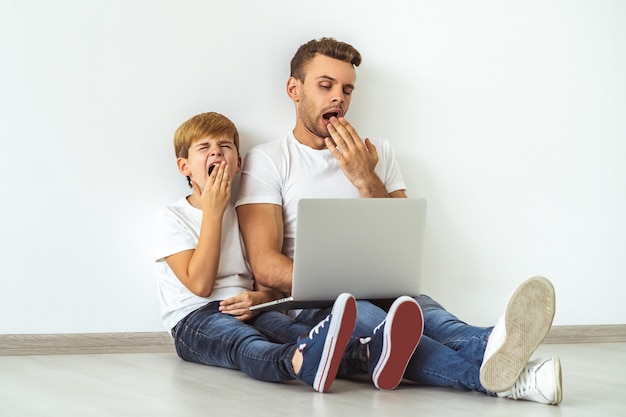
point(327, 116)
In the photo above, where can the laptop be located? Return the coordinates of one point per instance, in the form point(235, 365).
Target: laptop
point(369, 247)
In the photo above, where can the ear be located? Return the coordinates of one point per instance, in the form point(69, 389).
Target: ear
point(293, 89)
point(238, 170)
point(183, 166)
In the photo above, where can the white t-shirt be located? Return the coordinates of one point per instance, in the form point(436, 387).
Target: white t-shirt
point(176, 229)
point(284, 171)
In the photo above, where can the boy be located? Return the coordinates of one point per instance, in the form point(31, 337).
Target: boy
point(205, 283)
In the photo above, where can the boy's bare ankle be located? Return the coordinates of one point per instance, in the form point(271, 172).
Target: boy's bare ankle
point(296, 361)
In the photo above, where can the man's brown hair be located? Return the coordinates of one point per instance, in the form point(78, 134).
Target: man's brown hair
point(329, 47)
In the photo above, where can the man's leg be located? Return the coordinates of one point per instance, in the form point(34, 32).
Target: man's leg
point(445, 328)
point(518, 333)
point(453, 352)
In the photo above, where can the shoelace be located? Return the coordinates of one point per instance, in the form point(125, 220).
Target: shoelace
point(365, 340)
point(315, 330)
point(377, 328)
point(525, 384)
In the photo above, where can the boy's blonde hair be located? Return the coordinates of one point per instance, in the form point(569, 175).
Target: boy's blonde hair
point(201, 126)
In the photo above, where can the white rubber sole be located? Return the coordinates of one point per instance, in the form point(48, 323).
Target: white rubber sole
point(528, 319)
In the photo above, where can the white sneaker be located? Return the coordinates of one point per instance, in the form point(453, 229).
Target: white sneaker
point(513, 340)
point(540, 382)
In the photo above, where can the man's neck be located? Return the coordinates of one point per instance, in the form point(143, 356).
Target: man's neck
point(308, 139)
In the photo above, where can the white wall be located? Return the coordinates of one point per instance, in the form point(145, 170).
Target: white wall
point(507, 116)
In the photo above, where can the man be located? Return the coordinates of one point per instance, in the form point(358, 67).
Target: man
point(325, 157)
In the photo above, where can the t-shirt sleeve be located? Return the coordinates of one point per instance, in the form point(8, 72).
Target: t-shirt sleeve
point(170, 235)
point(260, 180)
point(391, 175)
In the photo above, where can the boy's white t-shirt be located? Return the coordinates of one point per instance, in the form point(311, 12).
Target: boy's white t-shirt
point(176, 229)
point(284, 171)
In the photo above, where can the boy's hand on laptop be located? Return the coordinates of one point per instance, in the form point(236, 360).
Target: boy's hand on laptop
point(239, 305)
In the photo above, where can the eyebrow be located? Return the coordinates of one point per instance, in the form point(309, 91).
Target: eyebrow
point(219, 142)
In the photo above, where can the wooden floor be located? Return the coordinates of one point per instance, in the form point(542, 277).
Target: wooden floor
point(160, 384)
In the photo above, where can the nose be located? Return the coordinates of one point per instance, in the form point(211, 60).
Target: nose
point(338, 95)
point(216, 150)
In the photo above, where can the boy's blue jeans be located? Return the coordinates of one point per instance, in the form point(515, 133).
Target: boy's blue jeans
point(449, 354)
point(210, 337)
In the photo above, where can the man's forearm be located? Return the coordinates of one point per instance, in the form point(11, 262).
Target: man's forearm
point(274, 272)
point(373, 189)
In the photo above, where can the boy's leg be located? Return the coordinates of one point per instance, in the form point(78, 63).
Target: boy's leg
point(210, 337)
point(280, 327)
point(323, 346)
point(383, 341)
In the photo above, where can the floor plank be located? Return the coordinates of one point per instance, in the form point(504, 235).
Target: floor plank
point(160, 384)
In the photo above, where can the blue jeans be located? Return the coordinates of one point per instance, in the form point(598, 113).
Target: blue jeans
point(282, 328)
point(449, 354)
point(209, 337)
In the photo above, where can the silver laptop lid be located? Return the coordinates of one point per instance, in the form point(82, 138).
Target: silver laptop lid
point(369, 247)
